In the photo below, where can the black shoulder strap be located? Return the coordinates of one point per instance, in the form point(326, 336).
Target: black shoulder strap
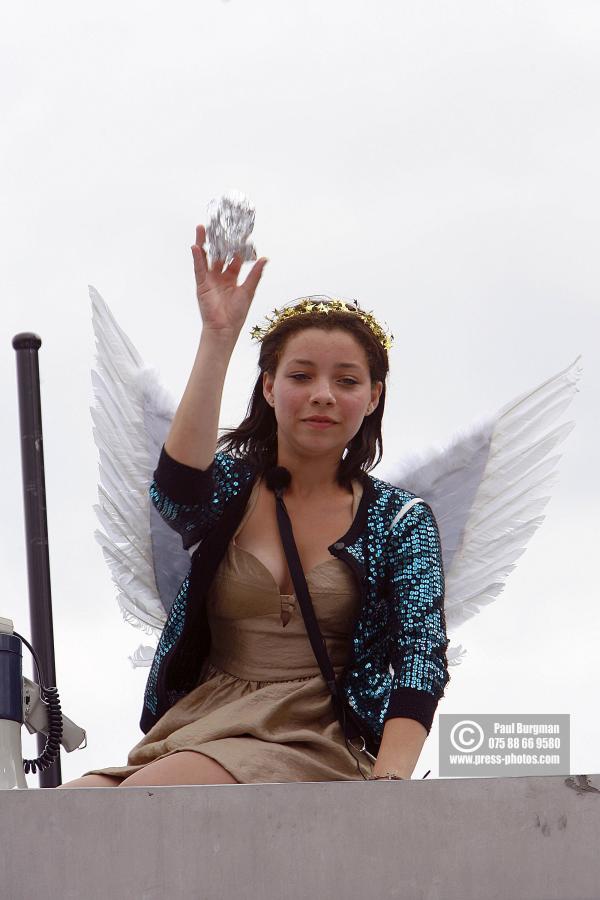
point(303, 595)
point(277, 478)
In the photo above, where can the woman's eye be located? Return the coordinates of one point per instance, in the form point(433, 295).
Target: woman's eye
point(302, 375)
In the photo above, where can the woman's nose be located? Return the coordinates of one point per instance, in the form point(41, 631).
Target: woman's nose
point(321, 393)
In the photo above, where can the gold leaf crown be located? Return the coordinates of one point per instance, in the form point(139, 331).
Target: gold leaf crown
point(325, 305)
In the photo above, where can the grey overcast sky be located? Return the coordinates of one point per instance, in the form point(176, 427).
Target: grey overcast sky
point(439, 162)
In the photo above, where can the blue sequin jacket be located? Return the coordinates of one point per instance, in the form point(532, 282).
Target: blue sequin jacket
point(400, 625)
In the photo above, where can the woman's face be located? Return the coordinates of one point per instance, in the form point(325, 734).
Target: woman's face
point(322, 373)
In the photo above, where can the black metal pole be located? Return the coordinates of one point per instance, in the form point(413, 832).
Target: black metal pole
point(27, 345)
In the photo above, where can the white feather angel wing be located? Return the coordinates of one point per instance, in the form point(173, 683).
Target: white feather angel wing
point(487, 488)
point(132, 416)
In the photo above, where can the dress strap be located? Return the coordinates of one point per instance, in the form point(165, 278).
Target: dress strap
point(404, 510)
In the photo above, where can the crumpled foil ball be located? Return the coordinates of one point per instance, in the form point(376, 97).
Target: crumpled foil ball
point(230, 222)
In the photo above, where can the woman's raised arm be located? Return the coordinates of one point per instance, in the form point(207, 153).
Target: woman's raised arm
point(224, 306)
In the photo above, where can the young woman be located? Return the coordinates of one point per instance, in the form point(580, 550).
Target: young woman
point(235, 693)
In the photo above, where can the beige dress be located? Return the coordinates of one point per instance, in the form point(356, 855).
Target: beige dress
point(261, 707)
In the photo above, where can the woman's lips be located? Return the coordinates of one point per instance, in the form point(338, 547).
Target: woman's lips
point(319, 424)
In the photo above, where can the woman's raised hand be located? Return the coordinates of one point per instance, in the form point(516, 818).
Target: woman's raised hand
point(223, 303)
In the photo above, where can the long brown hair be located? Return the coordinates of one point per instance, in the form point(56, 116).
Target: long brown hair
point(255, 439)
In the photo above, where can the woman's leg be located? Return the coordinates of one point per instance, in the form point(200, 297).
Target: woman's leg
point(93, 781)
point(183, 767)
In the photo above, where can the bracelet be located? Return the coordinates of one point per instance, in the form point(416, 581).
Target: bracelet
point(389, 776)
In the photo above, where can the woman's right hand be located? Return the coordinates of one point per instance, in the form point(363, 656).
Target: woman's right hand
point(223, 303)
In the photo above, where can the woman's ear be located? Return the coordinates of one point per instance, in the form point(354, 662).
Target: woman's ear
point(267, 388)
point(377, 394)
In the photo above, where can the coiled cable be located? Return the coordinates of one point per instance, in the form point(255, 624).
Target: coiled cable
point(50, 697)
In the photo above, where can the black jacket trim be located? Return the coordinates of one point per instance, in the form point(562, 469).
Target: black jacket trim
point(411, 703)
point(182, 483)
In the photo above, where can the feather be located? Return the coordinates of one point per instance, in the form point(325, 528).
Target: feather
point(488, 487)
point(131, 416)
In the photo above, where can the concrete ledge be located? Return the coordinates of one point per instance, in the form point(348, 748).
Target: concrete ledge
point(521, 838)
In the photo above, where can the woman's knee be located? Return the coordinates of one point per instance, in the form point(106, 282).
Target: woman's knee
point(92, 781)
point(182, 767)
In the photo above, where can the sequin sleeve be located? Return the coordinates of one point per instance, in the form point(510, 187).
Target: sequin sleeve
point(418, 640)
point(192, 500)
